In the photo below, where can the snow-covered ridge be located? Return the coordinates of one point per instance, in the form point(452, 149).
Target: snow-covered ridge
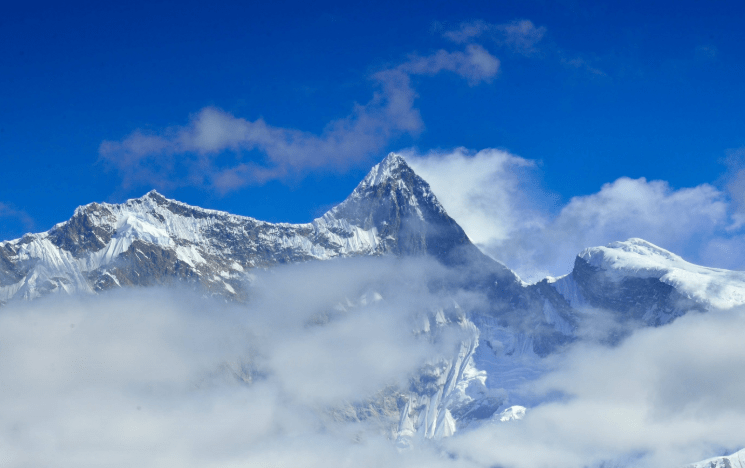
point(152, 239)
point(641, 259)
point(98, 235)
point(736, 460)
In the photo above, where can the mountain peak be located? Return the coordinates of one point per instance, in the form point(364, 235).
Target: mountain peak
point(400, 207)
point(632, 253)
point(392, 160)
point(155, 196)
point(391, 184)
point(390, 167)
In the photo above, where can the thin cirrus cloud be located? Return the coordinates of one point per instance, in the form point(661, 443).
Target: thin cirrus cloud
point(8, 211)
point(153, 159)
point(521, 37)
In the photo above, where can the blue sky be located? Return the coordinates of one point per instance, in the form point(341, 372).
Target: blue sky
point(588, 92)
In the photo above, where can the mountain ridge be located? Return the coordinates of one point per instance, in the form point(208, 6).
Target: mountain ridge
point(392, 211)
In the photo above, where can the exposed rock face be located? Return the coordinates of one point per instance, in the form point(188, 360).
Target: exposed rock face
point(84, 232)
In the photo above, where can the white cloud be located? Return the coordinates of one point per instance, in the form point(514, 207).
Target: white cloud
point(580, 63)
point(504, 211)
point(724, 252)
point(467, 31)
point(673, 219)
point(158, 159)
point(521, 37)
point(482, 191)
point(734, 181)
point(165, 378)
point(476, 64)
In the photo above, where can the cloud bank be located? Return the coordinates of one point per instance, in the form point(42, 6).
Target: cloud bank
point(163, 378)
point(187, 155)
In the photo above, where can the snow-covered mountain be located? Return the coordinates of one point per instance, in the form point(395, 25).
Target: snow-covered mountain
point(155, 241)
point(152, 240)
point(640, 281)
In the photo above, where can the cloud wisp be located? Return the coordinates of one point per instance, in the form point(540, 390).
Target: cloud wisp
point(521, 37)
point(484, 191)
point(155, 159)
point(8, 211)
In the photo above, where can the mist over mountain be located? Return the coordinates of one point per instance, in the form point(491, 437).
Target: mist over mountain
point(377, 328)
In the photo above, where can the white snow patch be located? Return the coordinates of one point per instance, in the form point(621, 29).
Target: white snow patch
point(513, 413)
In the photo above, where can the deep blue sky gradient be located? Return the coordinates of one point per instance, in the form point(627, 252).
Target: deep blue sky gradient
point(669, 104)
